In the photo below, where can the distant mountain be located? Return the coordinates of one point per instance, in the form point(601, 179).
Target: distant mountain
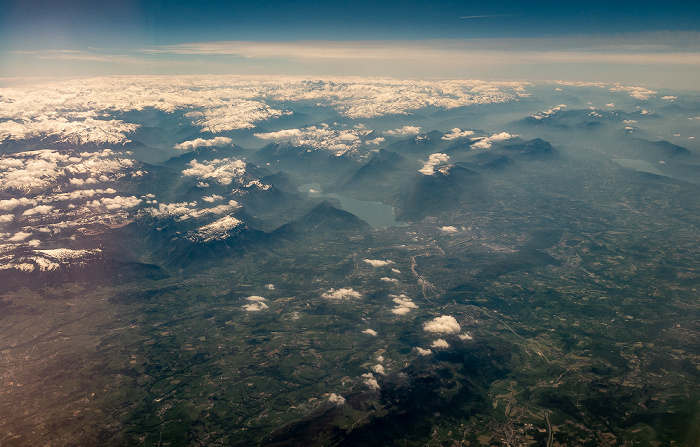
point(421, 144)
point(532, 149)
point(207, 245)
point(306, 163)
point(208, 154)
point(445, 189)
point(377, 179)
point(659, 149)
point(323, 218)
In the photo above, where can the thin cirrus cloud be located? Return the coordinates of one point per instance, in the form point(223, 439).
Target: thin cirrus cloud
point(660, 58)
point(485, 16)
point(485, 51)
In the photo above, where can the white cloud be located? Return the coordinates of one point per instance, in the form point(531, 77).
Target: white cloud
point(422, 351)
point(669, 98)
point(610, 105)
point(323, 136)
point(387, 279)
point(336, 399)
point(448, 229)
point(255, 307)
point(41, 169)
point(403, 131)
point(375, 141)
point(341, 294)
point(397, 271)
point(457, 133)
point(223, 171)
point(547, 113)
point(403, 304)
point(443, 324)
point(379, 369)
point(486, 142)
point(212, 198)
point(4, 218)
point(466, 336)
point(187, 210)
point(257, 303)
point(370, 381)
point(371, 332)
point(434, 160)
point(378, 262)
point(440, 344)
point(201, 142)
point(118, 202)
point(281, 135)
point(641, 93)
point(19, 236)
point(40, 209)
point(270, 287)
point(67, 128)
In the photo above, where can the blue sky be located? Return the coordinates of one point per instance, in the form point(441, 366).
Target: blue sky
point(636, 41)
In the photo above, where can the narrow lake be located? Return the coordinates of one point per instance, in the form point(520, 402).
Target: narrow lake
point(377, 214)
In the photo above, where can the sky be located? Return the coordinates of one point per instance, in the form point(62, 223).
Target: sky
point(656, 43)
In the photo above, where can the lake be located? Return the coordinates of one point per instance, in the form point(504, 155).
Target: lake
point(377, 214)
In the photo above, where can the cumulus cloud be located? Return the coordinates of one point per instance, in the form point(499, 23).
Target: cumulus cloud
point(440, 344)
point(118, 202)
point(370, 381)
point(371, 332)
point(403, 131)
point(67, 128)
point(446, 324)
point(270, 287)
point(81, 110)
point(403, 304)
point(188, 210)
point(19, 236)
point(486, 142)
point(636, 92)
point(379, 369)
point(223, 171)
point(448, 229)
point(422, 351)
point(375, 141)
point(201, 142)
point(4, 218)
point(339, 140)
point(546, 113)
point(434, 160)
point(457, 133)
point(40, 209)
point(257, 303)
point(387, 279)
point(41, 169)
point(212, 198)
point(378, 262)
point(336, 399)
point(669, 98)
point(341, 294)
point(466, 336)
